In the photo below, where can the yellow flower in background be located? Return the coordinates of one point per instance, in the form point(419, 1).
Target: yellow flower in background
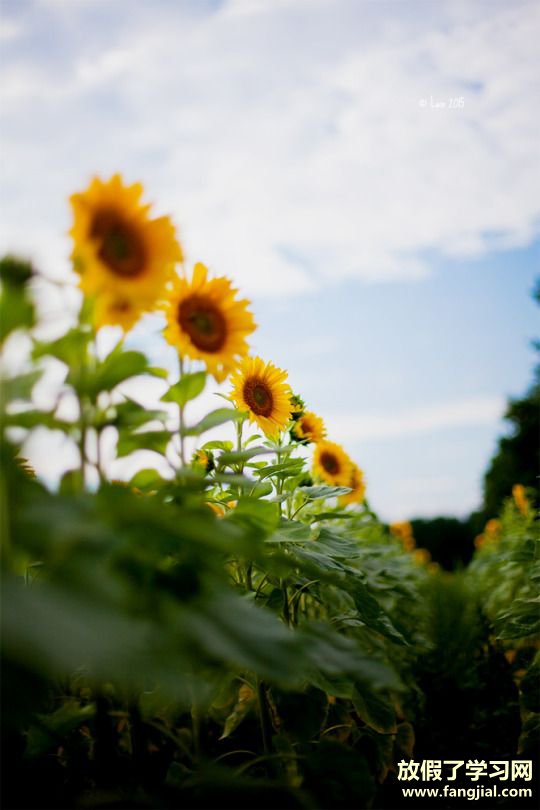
point(308, 428)
point(358, 487)
point(421, 556)
point(216, 508)
point(520, 498)
point(205, 321)
point(479, 541)
point(203, 460)
point(115, 310)
point(260, 390)
point(403, 532)
point(121, 254)
point(332, 464)
point(492, 529)
point(297, 406)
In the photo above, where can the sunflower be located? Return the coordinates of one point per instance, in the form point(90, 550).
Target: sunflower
point(403, 531)
point(117, 310)
point(332, 464)
point(357, 485)
point(260, 389)
point(203, 460)
point(297, 406)
point(206, 322)
point(120, 253)
point(308, 428)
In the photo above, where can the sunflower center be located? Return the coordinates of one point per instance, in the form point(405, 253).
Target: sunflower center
point(120, 245)
point(329, 463)
point(258, 396)
point(204, 323)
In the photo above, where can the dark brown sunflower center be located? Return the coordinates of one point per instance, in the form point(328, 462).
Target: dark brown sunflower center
point(204, 323)
point(120, 245)
point(329, 463)
point(259, 397)
point(307, 427)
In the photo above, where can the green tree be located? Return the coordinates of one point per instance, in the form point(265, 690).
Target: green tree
point(517, 460)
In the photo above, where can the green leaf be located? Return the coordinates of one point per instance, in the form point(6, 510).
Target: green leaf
point(217, 445)
point(53, 728)
point(16, 311)
point(188, 387)
point(291, 531)
point(71, 348)
point(155, 371)
point(262, 514)
point(371, 612)
point(375, 711)
point(155, 440)
point(261, 490)
point(32, 419)
point(146, 479)
point(243, 455)
point(117, 367)
point(130, 414)
point(212, 420)
point(18, 387)
point(284, 470)
point(315, 493)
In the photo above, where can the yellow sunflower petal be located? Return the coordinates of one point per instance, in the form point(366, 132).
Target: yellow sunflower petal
point(357, 485)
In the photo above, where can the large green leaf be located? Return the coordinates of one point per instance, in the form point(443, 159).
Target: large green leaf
point(188, 387)
point(156, 440)
point(212, 420)
point(116, 368)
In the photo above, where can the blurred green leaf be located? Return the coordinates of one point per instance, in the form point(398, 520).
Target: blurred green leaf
point(155, 440)
point(187, 388)
point(116, 368)
point(283, 470)
point(320, 492)
point(212, 420)
point(51, 729)
point(16, 311)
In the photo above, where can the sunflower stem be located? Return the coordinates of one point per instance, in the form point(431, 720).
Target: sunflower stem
point(263, 717)
point(181, 418)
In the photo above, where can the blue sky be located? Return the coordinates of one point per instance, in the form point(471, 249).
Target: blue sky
point(366, 172)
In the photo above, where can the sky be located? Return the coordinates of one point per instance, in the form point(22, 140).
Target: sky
point(366, 172)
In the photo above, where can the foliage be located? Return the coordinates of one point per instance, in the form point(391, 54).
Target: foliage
point(235, 630)
point(152, 650)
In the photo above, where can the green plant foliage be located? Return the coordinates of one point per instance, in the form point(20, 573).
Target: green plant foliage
point(224, 631)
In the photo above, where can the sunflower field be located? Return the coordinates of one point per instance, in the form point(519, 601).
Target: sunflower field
point(242, 630)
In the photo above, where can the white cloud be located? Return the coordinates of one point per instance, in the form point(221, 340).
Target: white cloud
point(287, 138)
point(367, 427)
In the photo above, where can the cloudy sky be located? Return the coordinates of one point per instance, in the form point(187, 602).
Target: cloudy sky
point(367, 172)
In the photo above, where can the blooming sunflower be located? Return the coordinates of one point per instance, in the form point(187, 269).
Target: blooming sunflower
point(120, 253)
point(308, 428)
point(260, 389)
point(332, 464)
point(206, 322)
point(357, 485)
